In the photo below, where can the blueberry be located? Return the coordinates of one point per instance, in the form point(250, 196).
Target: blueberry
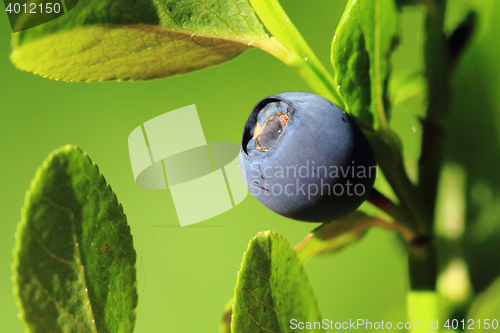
point(305, 158)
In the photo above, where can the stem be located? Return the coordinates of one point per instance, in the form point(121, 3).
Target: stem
point(314, 243)
point(422, 259)
point(407, 234)
point(300, 56)
point(383, 203)
point(438, 68)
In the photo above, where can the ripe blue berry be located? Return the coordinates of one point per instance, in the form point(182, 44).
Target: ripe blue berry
point(305, 158)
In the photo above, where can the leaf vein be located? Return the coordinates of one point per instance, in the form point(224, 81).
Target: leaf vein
point(56, 302)
point(52, 255)
point(258, 300)
point(255, 321)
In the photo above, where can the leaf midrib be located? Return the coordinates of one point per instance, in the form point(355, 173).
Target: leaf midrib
point(255, 42)
point(269, 247)
point(80, 266)
point(81, 275)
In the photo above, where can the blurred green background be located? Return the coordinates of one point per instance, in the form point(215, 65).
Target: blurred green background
point(186, 275)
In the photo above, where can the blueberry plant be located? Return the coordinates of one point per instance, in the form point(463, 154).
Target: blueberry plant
point(70, 202)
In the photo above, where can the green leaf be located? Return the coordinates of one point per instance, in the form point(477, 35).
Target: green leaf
point(227, 313)
point(363, 42)
point(407, 87)
point(334, 236)
point(486, 307)
point(272, 288)
point(74, 261)
point(138, 40)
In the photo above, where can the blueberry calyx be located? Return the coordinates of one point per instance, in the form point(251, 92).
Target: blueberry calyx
point(265, 125)
point(270, 131)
